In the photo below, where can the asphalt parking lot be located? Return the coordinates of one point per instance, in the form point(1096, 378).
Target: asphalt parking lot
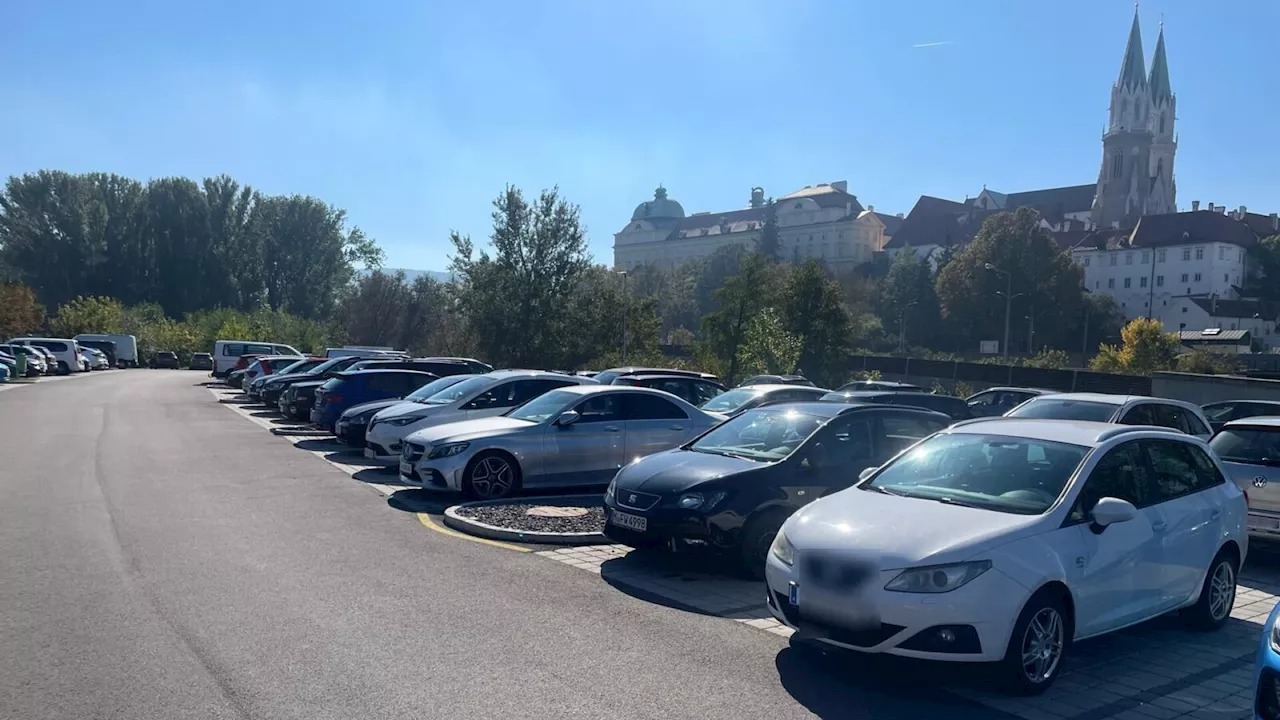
point(168, 555)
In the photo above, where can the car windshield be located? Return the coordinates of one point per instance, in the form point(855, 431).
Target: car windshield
point(1064, 409)
point(544, 407)
point(764, 435)
point(434, 387)
point(460, 390)
point(1250, 445)
point(732, 400)
point(995, 472)
point(297, 366)
point(606, 377)
point(324, 366)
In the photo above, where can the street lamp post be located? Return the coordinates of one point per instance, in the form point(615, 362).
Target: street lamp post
point(1008, 302)
point(902, 326)
point(626, 305)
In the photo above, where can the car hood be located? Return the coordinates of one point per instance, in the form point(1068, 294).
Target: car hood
point(899, 532)
point(469, 430)
point(406, 407)
point(363, 408)
point(290, 377)
point(678, 470)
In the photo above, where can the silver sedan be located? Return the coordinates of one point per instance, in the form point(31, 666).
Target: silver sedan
point(574, 436)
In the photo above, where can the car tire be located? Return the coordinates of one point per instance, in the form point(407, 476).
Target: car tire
point(63, 368)
point(1037, 645)
point(491, 476)
point(755, 540)
point(1217, 593)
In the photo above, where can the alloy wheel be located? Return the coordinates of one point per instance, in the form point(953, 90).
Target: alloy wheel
point(492, 478)
point(1222, 590)
point(1042, 645)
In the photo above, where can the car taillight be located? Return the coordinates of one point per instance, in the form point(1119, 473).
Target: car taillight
point(333, 398)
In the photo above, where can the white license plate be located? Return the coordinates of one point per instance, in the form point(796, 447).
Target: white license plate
point(1263, 523)
point(368, 452)
point(629, 521)
point(406, 468)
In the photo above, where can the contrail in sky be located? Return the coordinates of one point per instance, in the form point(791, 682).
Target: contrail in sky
point(932, 44)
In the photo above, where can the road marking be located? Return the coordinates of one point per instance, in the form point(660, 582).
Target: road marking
point(432, 525)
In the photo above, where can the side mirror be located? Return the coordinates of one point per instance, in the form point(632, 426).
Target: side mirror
point(567, 418)
point(866, 473)
point(1110, 511)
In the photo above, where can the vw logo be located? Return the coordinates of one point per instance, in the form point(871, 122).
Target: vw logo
point(632, 498)
point(1259, 482)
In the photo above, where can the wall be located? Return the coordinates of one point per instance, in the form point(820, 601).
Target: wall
point(1201, 389)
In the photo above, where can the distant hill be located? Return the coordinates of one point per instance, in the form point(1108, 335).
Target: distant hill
point(411, 275)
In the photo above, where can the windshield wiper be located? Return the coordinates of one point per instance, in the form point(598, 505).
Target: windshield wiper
point(948, 500)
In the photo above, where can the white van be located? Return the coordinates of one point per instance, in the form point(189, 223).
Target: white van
point(65, 350)
point(226, 353)
point(476, 397)
point(126, 347)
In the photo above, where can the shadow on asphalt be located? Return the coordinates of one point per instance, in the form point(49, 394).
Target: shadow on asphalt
point(351, 456)
point(264, 413)
point(415, 500)
point(378, 476)
point(320, 444)
point(659, 564)
point(832, 683)
point(237, 400)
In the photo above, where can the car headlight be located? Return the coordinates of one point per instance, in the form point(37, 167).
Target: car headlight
point(937, 578)
point(782, 549)
point(1275, 637)
point(447, 450)
point(401, 421)
point(694, 500)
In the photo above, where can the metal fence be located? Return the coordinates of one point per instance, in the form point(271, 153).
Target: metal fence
point(951, 372)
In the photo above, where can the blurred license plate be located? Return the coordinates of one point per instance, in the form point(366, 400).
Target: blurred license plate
point(368, 452)
point(793, 594)
point(1263, 523)
point(406, 468)
point(629, 521)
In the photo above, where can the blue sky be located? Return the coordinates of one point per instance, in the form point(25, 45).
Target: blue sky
point(412, 116)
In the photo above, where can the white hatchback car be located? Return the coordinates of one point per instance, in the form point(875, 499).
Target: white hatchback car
point(1123, 409)
point(481, 396)
point(1006, 540)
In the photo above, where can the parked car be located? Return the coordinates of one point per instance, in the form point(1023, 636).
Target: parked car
point(355, 420)
point(201, 361)
point(50, 360)
point(7, 371)
point(34, 358)
point(87, 361)
point(265, 366)
point(234, 379)
point(481, 396)
point(1122, 409)
point(776, 380)
point(1266, 671)
point(166, 359)
point(98, 360)
point(1028, 535)
point(122, 350)
point(227, 353)
point(739, 400)
point(273, 389)
point(606, 377)
point(1220, 413)
point(956, 408)
point(572, 436)
point(731, 489)
point(1249, 449)
point(996, 401)
point(354, 387)
point(65, 351)
point(886, 385)
point(106, 347)
point(693, 390)
point(436, 366)
point(298, 365)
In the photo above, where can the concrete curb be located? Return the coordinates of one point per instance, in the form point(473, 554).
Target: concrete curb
point(492, 532)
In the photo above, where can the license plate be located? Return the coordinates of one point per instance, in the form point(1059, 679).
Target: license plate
point(629, 521)
point(793, 594)
point(368, 452)
point(1263, 523)
point(406, 468)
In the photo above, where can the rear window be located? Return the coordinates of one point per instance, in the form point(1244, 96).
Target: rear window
point(233, 349)
point(1253, 446)
point(1058, 409)
point(51, 345)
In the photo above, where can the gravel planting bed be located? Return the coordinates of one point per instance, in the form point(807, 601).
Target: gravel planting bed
point(515, 516)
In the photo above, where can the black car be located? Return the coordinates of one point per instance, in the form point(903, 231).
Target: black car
point(731, 488)
point(201, 361)
point(693, 390)
point(776, 380)
point(298, 398)
point(740, 400)
point(955, 407)
point(435, 366)
point(996, 401)
point(1220, 413)
point(888, 385)
point(606, 377)
point(165, 359)
point(273, 389)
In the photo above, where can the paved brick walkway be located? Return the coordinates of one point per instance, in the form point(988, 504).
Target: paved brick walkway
point(1154, 671)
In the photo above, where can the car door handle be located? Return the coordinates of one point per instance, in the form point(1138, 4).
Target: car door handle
point(611, 428)
point(676, 427)
point(1159, 526)
point(1215, 514)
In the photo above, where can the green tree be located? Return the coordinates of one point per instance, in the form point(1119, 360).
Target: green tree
point(1145, 348)
point(740, 299)
point(1264, 259)
point(1044, 280)
point(770, 245)
point(88, 315)
point(19, 311)
point(768, 347)
point(907, 296)
point(813, 311)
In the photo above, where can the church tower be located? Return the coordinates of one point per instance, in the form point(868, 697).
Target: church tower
point(1163, 195)
point(1124, 181)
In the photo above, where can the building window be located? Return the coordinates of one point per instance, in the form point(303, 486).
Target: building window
point(1113, 261)
point(1127, 282)
point(1146, 257)
point(1142, 282)
point(1199, 253)
point(1184, 277)
point(1111, 283)
point(1117, 165)
point(1161, 122)
point(1226, 278)
point(1233, 326)
point(1086, 262)
point(1159, 281)
point(1240, 256)
point(1222, 253)
point(1197, 277)
point(1097, 284)
point(1160, 166)
point(1128, 258)
point(1182, 326)
point(1186, 254)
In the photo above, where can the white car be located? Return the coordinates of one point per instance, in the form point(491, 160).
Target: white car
point(1005, 540)
point(64, 350)
point(1123, 409)
point(482, 396)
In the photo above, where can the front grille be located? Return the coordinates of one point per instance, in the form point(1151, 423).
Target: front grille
point(635, 500)
point(378, 449)
point(412, 452)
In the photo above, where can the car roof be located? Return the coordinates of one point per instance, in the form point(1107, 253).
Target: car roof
point(1254, 402)
point(1110, 399)
point(1072, 432)
point(383, 371)
point(592, 388)
point(830, 409)
point(663, 376)
point(514, 373)
point(857, 394)
point(1011, 388)
point(1267, 421)
point(774, 387)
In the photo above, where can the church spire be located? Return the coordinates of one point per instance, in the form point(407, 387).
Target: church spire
point(1133, 71)
point(1159, 81)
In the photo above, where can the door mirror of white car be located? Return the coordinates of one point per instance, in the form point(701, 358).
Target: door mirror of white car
point(1110, 511)
point(568, 417)
point(866, 473)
